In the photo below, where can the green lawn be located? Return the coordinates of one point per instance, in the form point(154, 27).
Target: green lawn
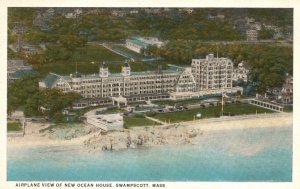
point(93, 53)
point(188, 115)
point(164, 63)
point(133, 121)
point(128, 51)
point(136, 102)
point(180, 103)
point(288, 108)
point(113, 110)
point(14, 126)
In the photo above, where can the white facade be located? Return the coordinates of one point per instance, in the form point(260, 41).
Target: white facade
point(240, 73)
point(204, 75)
point(251, 35)
point(134, 46)
point(137, 44)
point(212, 73)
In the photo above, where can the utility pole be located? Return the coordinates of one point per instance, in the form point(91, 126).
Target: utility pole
point(222, 104)
point(76, 67)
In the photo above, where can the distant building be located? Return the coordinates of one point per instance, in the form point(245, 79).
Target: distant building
point(287, 90)
point(12, 76)
point(186, 10)
point(289, 32)
point(38, 20)
point(251, 35)
point(153, 10)
point(16, 64)
point(27, 49)
point(249, 20)
point(285, 93)
point(213, 16)
point(278, 35)
point(221, 16)
point(256, 26)
point(42, 19)
point(78, 12)
point(137, 44)
point(133, 11)
point(119, 13)
point(73, 13)
point(240, 73)
point(271, 27)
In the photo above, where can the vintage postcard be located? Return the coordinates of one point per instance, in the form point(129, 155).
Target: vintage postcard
point(149, 95)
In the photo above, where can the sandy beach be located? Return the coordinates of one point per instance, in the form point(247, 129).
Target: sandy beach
point(243, 122)
point(179, 133)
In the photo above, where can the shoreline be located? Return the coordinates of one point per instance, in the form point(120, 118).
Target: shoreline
point(178, 133)
point(243, 122)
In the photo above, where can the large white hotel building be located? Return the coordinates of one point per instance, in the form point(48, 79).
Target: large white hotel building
point(208, 76)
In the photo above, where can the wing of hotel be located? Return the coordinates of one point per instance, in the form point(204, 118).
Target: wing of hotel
point(205, 77)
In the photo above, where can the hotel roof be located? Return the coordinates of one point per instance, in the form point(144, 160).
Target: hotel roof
point(20, 73)
point(52, 77)
point(138, 42)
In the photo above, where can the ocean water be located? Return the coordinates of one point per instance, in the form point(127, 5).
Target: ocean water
point(263, 154)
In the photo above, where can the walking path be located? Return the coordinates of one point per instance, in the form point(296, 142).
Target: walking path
point(156, 120)
point(111, 49)
point(126, 55)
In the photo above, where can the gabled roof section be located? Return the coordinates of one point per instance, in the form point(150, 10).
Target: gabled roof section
point(138, 42)
point(50, 79)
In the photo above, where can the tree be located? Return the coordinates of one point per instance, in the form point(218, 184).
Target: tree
point(72, 42)
point(18, 95)
point(57, 117)
point(265, 34)
point(32, 105)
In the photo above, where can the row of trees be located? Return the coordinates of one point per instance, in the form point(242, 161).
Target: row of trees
point(169, 25)
point(30, 98)
point(268, 64)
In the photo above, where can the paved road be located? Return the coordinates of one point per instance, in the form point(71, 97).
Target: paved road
point(268, 42)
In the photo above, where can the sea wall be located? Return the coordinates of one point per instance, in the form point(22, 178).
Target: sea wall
point(181, 133)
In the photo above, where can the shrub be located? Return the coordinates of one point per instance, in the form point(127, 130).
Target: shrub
point(151, 114)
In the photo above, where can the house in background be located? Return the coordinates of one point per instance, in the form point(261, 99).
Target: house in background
point(16, 69)
point(17, 64)
point(240, 73)
point(285, 93)
point(137, 44)
point(251, 34)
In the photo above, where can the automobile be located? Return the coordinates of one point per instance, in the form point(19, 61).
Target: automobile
point(185, 107)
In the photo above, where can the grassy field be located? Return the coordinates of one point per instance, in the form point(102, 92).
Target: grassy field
point(113, 110)
point(179, 103)
point(287, 108)
point(135, 120)
point(127, 51)
point(182, 102)
point(188, 115)
point(136, 103)
point(14, 126)
point(93, 53)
